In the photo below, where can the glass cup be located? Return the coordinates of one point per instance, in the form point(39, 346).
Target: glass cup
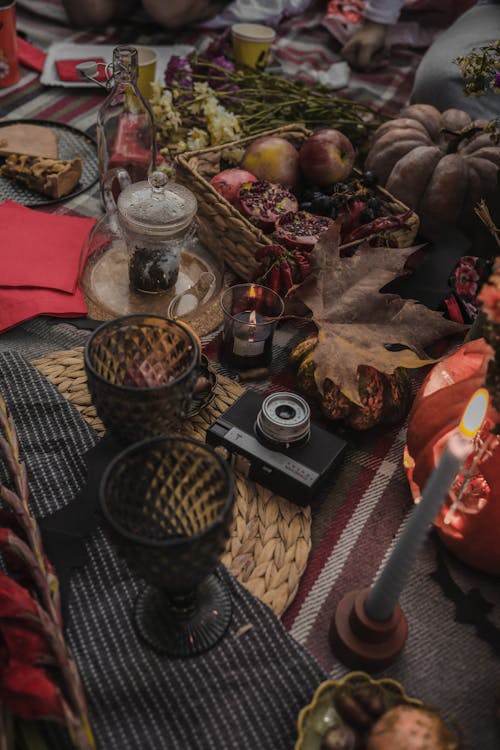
point(251, 313)
point(252, 44)
point(142, 372)
point(146, 61)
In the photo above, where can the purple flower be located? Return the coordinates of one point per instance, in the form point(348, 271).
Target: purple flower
point(217, 70)
point(497, 80)
point(178, 72)
point(223, 62)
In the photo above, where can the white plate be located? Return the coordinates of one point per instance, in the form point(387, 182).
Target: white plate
point(71, 51)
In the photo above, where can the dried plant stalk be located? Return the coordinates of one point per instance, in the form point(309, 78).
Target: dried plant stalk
point(33, 556)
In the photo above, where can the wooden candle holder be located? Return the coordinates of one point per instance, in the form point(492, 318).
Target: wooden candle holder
point(362, 643)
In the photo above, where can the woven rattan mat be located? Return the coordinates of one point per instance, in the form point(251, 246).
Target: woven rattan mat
point(270, 537)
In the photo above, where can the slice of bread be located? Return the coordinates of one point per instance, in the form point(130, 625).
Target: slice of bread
point(32, 140)
point(52, 177)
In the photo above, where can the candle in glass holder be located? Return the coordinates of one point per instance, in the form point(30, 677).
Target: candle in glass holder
point(251, 313)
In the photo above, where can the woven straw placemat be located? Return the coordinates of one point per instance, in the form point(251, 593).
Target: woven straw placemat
point(270, 537)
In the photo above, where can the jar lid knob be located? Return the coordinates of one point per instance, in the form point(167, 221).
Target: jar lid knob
point(158, 180)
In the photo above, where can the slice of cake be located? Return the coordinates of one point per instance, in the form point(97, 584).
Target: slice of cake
point(33, 140)
point(52, 177)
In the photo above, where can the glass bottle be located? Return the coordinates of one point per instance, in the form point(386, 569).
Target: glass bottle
point(125, 123)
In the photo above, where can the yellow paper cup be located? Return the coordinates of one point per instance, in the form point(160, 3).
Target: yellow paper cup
point(252, 44)
point(146, 60)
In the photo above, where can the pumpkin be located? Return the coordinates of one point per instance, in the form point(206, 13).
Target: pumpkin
point(472, 532)
point(439, 164)
point(385, 399)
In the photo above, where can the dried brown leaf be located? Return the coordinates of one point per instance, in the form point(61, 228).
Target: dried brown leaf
point(356, 322)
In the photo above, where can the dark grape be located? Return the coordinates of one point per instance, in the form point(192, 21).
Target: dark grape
point(307, 206)
point(322, 205)
point(373, 203)
point(341, 187)
point(369, 179)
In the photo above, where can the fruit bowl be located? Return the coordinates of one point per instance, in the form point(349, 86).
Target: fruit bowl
point(320, 714)
point(226, 231)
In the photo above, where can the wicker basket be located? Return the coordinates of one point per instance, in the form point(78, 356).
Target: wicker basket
point(221, 227)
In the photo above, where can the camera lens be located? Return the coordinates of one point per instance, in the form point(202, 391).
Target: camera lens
point(284, 419)
point(285, 411)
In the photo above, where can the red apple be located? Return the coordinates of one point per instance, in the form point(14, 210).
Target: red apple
point(273, 159)
point(228, 183)
point(327, 157)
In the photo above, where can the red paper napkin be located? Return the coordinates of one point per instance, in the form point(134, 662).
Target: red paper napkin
point(29, 55)
point(66, 69)
point(40, 249)
point(20, 304)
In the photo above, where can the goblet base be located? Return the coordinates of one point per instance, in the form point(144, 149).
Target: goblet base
point(178, 632)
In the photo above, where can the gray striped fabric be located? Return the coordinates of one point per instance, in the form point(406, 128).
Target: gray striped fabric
point(244, 693)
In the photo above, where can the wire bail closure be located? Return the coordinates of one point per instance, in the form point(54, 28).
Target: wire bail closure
point(90, 70)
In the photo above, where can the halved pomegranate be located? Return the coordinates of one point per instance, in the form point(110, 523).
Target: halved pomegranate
point(262, 203)
point(301, 230)
point(228, 183)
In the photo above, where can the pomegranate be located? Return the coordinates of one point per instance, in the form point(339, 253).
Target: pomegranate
point(262, 203)
point(326, 157)
point(228, 183)
point(301, 230)
point(274, 159)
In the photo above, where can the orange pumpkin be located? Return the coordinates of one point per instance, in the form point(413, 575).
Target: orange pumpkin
point(472, 531)
point(439, 164)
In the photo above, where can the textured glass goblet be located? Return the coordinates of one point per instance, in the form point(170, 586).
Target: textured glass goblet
point(168, 505)
point(141, 373)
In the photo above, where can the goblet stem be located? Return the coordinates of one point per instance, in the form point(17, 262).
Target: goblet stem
point(182, 605)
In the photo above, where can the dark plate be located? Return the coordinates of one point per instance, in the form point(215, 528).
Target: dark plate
point(71, 143)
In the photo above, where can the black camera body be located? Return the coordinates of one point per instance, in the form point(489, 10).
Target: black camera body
point(294, 470)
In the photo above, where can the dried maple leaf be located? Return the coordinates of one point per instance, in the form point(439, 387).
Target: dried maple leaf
point(356, 322)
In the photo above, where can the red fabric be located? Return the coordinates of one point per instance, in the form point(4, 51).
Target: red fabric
point(66, 69)
point(29, 55)
point(53, 260)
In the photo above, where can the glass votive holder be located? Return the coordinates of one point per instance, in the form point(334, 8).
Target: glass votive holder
point(251, 313)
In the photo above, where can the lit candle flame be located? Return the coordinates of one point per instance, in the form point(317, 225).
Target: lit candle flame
point(252, 293)
point(470, 424)
point(474, 414)
point(252, 325)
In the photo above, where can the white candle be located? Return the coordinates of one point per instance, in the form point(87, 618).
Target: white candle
point(387, 588)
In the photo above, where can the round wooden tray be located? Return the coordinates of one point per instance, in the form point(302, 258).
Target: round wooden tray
point(270, 537)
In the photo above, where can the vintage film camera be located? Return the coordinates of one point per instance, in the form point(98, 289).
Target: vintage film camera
point(275, 443)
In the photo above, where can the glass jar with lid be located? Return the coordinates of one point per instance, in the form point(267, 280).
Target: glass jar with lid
point(157, 219)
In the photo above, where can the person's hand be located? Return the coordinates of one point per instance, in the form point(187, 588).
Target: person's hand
point(362, 49)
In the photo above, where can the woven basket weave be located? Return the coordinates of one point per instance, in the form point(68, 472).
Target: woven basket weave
point(221, 227)
point(270, 537)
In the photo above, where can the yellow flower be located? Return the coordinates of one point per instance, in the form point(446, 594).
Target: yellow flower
point(197, 138)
